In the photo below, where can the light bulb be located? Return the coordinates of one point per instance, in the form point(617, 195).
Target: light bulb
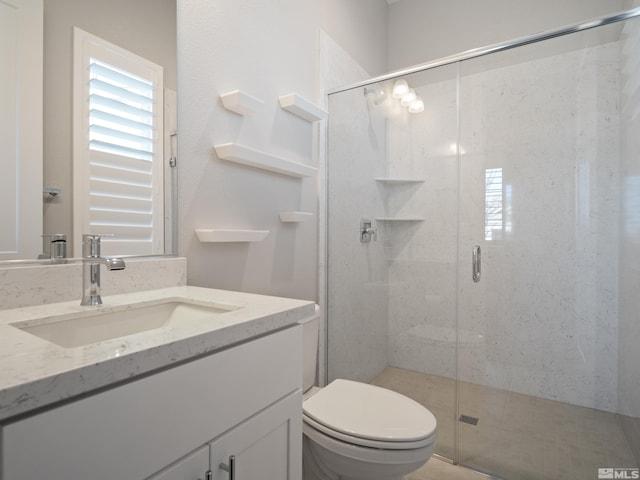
point(408, 98)
point(400, 87)
point(417, 106)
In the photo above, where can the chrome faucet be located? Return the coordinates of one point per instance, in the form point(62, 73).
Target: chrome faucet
point(91, 261)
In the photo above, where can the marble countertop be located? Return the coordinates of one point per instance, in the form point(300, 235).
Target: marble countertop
point(35, 372)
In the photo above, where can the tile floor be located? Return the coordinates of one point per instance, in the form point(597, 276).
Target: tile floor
point(518, 437)
point(436, 469)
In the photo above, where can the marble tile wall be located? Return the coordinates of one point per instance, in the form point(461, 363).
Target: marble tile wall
point(357, 274)
point(337, 69)
point(543, 320)
point(41, 284)
point(421, 255)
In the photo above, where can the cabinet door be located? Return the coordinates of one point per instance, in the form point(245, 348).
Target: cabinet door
point(192, 467)
point(266, 446)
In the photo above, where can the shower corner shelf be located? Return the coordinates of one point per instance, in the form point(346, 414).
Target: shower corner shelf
point(406, 218)
point(220, 235)
point(295, 217)
point(236, 153)
point(240, 102)
point(301, 107)
point(398, 180)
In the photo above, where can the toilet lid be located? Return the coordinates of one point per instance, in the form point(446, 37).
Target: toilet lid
point(370, 412)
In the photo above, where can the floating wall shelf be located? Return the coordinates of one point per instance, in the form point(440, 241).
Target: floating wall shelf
point(295, 217)
point(241, 102)
point(236, 153)
point(399, 180)
point(230, 235)
point(400, 219)
point(301, 107)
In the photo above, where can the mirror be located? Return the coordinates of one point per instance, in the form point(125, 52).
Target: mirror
point(146, 28)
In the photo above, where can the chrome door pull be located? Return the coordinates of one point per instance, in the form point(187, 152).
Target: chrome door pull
point(231, 467)
point(476, 262)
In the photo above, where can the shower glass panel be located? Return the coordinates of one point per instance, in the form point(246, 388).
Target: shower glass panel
point(539, 192)
point(392, 301)
point(529, 158)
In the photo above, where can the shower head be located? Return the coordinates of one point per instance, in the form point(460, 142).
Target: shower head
point(378, 94)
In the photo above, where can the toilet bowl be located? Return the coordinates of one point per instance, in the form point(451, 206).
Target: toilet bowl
point(353, 430)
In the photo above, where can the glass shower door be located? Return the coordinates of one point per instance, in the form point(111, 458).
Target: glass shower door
point(539, 199)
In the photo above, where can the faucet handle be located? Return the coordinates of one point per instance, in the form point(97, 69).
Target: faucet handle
point(91, 243)
point(94, 237)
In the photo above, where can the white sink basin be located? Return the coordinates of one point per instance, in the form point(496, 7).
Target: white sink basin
point(88, 327)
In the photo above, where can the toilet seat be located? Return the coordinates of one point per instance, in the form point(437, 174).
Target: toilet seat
point(370, 416)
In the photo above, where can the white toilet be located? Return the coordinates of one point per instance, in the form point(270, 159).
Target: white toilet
point(353, 430)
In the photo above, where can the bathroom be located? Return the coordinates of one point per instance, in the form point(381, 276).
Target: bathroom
point(224, 46)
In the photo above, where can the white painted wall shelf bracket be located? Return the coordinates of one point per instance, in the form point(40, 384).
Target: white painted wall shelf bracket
point(301, 107)
point(241, 102)
point(236, 153)
point(295, 217)
point(401, 219)
point(398, 180)
point(219, 235)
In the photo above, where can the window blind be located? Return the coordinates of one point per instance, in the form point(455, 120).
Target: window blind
point(125, 193)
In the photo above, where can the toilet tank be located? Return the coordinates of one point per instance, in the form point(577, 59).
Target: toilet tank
point(310, 329)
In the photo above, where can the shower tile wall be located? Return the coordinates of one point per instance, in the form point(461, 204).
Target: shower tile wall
point(543, 321)
point(357, 286)
point(422, 254)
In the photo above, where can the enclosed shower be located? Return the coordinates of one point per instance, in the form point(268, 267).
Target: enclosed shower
point(483, 251)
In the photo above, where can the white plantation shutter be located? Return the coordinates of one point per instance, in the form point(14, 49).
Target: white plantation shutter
point(118, 186)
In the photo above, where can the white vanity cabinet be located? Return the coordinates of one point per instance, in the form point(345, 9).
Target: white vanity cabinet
point(192, 467)
point(243, 401)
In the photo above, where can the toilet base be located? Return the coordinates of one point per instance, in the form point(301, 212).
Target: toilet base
point(314, 466)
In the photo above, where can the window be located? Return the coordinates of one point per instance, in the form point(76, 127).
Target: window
point(493, 218)
point(118, 148)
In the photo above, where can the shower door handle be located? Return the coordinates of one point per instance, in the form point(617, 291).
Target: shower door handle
point(476, 263)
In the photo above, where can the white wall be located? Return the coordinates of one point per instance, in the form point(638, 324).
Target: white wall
point(267, 48)
point(424, 30)
point(360, 28)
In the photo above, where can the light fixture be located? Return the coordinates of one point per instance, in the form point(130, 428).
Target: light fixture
point(417, 106)
point(400, 88)
point(408, 98)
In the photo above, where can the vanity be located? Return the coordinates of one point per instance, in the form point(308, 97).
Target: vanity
point(175, 383)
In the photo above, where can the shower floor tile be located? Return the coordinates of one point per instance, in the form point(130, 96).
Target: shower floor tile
point(518, 437)
point(436, 469)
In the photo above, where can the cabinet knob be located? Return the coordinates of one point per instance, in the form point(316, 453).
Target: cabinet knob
point(230, 467)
